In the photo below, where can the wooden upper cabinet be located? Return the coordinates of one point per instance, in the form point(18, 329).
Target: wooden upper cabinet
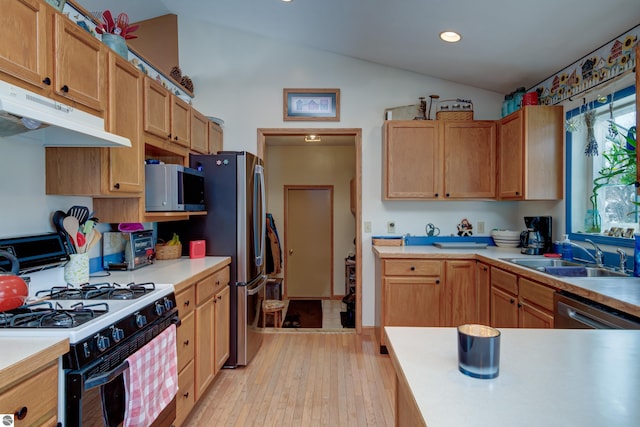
point(180, 121)
point(531, 154)
point(100, 171)
point(80, 65)
point(199, 132)
point(124, 117)
point(511, 158)
point(23, 50)
point(411, 159)
point(215, 138)
point(469, 159)
point(157, 109)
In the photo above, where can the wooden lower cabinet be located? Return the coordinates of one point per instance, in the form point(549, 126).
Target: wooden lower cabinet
point(412, 293)
point(461, 293)
point(483, 279)
point(429, 292)
point(37, 395)
point(519, 302)
point(202, 338)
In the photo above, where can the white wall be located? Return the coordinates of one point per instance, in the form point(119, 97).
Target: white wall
point(239, 78)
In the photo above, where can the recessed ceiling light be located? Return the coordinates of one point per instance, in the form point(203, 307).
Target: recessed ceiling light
point(287, 1)
point(450, 36)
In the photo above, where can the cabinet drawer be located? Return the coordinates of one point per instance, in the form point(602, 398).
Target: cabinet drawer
point(185, 340)
point(504, 280)
point(185, 301)
point(38, 394)
point(537, 294)
point(185, 399)
point(412, 267)
point(209, 285)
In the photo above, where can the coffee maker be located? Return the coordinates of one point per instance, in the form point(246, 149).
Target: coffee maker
point(536, 239)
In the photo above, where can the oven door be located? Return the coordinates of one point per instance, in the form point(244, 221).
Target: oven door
point(103, 402)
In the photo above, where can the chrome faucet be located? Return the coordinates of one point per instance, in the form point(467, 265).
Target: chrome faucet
point(623, 260)
point(596, 259)
point(599, 254)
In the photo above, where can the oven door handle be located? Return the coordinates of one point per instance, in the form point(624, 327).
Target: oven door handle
point(105, 378)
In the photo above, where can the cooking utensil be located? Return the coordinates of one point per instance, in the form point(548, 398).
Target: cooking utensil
point(122, 22)
point(71, 226)
point(13, 289)
point(80, 212)
point(81, 242)
point(93, 239)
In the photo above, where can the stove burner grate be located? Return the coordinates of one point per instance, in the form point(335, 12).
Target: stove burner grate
point(46, 315)
point(99, 291)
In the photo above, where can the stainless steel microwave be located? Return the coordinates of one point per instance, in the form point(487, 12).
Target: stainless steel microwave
point(173, 188)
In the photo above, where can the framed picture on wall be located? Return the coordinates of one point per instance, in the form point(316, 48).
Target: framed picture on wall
point(311, 105)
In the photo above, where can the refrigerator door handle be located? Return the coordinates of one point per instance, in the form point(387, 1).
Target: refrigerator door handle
point(259, 218)
point(252, 290)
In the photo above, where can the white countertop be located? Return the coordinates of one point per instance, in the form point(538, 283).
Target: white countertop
point(621, 293)
point(20, 356)
point(547, 378)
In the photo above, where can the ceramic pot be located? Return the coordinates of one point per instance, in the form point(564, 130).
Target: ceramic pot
point(117, 43)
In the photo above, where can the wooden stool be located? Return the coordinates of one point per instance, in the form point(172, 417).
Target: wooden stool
point(275, 307)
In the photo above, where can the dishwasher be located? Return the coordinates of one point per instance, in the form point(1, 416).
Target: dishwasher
point(575, 312)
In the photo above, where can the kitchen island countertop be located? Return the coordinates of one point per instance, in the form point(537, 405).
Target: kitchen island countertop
point(547, 378)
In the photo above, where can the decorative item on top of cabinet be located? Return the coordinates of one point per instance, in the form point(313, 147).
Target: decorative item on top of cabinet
point(530, 154)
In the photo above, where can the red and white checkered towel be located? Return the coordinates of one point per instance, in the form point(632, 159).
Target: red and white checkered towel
point(151, 381)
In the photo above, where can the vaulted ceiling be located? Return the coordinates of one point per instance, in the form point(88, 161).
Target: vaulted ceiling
point(505, 43)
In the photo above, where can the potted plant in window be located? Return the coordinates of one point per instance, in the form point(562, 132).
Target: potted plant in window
point(620, 168)
point(115, 32)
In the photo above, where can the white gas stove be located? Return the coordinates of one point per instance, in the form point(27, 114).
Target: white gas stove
point(105, 322)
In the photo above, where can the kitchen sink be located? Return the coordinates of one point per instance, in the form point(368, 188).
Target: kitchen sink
point(564, 268)
point(536, 263)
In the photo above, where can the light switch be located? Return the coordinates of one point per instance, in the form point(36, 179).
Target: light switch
point(367, 226)
point(391, 227)
point(480, 227)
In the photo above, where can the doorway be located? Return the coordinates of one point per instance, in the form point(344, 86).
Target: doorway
point(354, 137)
point(308, 241)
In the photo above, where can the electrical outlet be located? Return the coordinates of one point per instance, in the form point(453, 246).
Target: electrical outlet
point(367, 226)
point(480, 227)
point(391, 227)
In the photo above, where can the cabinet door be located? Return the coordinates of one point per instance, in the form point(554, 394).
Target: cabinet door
point(511, 157)
point(411, 160)
point(215, 138)
point(185, 340)
point(23, 51)
point(80, 65)
point(38, 394)
point(533, 317)
point(469, 159)
point(157, 109)
point(222, 327)
point(185, 399)
point(124, 117)
point(483, 279)
point(204, 355)
point(413, 301)
point(461, 304)
point(504, 309)
point(199, 132)
point(180, 121)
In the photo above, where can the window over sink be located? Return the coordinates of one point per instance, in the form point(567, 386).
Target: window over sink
point(601, 201)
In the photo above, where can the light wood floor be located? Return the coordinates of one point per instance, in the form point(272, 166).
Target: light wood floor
point(304, 379)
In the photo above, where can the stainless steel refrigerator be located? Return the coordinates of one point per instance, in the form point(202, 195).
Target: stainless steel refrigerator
point(235, 226)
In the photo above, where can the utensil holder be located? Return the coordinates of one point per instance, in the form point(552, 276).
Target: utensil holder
point(76, 271)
